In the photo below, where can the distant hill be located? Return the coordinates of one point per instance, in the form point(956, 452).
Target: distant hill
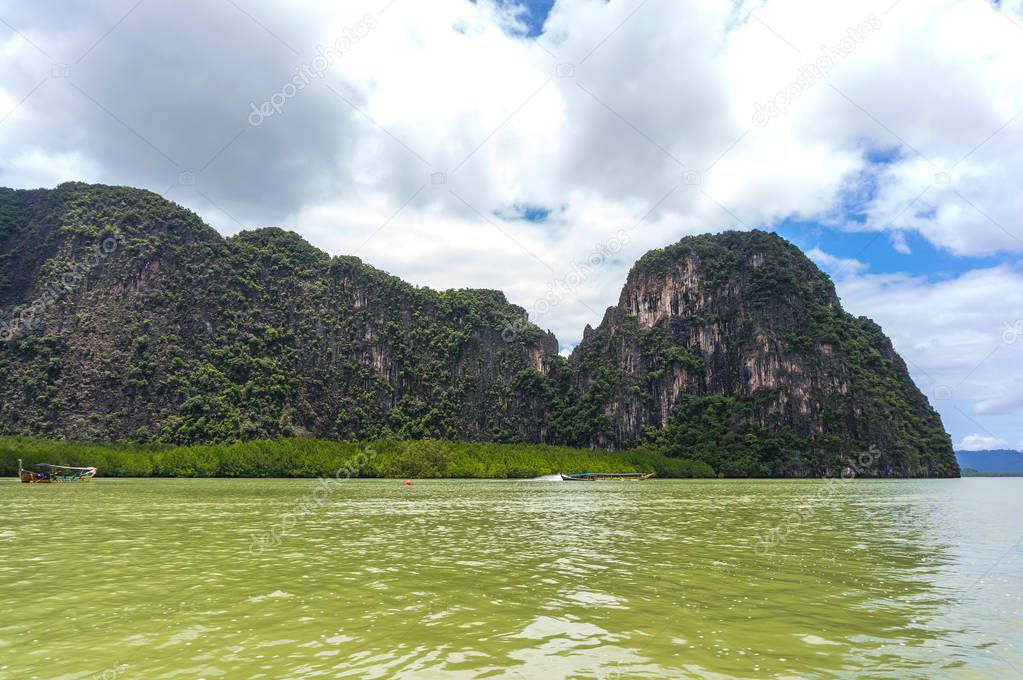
point(1001, 460)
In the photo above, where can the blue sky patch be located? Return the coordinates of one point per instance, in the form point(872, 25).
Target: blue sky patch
point(878, 252)
point(525, 211)
point(884, 156)
point(534, 14)
point(861, 191)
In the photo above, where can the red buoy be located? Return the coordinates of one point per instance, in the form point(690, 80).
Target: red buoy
point(408, 483)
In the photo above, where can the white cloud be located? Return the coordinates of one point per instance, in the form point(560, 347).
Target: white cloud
point(645, 98)
point(1004, 404)
point(958, 336)
point(836, 266)
point(38, 169)
point(978, 442)
point(899, 243)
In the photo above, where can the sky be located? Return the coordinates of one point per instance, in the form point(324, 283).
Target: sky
point(507, 144)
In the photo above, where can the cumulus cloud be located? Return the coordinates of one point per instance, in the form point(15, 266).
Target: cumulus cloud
point(1004, 404)
point(959, 335)
point(837, 266)
point(950, 331)
point(978, 442)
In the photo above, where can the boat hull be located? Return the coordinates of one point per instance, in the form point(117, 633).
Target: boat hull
point(29, 477)
point(611, 477)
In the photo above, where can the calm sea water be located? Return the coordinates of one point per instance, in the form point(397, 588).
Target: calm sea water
point(524, 579)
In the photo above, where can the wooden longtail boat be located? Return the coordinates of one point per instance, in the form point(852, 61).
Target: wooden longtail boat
point(55, 474)
point(608, 476)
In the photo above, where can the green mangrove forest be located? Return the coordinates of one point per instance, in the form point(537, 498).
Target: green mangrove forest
point(320, 458)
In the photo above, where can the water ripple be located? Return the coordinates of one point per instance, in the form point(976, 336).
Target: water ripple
point(531, 579)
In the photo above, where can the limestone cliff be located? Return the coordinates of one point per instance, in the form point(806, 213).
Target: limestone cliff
point(746, 324)
point(123, 316)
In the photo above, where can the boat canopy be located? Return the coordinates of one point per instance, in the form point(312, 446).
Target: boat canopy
point(64, 467)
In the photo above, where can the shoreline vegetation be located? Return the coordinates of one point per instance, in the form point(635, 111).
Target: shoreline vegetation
point(970, 472)
point(311, 458)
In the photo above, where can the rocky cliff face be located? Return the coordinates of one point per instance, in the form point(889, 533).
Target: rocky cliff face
point(123, 316)
point(126, 317)
point(744, 323)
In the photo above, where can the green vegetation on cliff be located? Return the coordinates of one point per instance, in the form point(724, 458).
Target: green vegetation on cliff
point(733, 349)
point(181, 336)
point(124, 318)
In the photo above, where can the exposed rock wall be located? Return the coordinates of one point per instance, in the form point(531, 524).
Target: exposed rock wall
point(123, 316)
point(748, 316)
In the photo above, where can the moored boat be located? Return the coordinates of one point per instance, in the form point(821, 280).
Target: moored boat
point(55, 474)
point(607, 476)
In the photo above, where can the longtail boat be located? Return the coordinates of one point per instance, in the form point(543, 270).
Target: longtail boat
point(55, 474)
point(607, 476)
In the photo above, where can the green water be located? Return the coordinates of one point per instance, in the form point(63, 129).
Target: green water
point(526, 579)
